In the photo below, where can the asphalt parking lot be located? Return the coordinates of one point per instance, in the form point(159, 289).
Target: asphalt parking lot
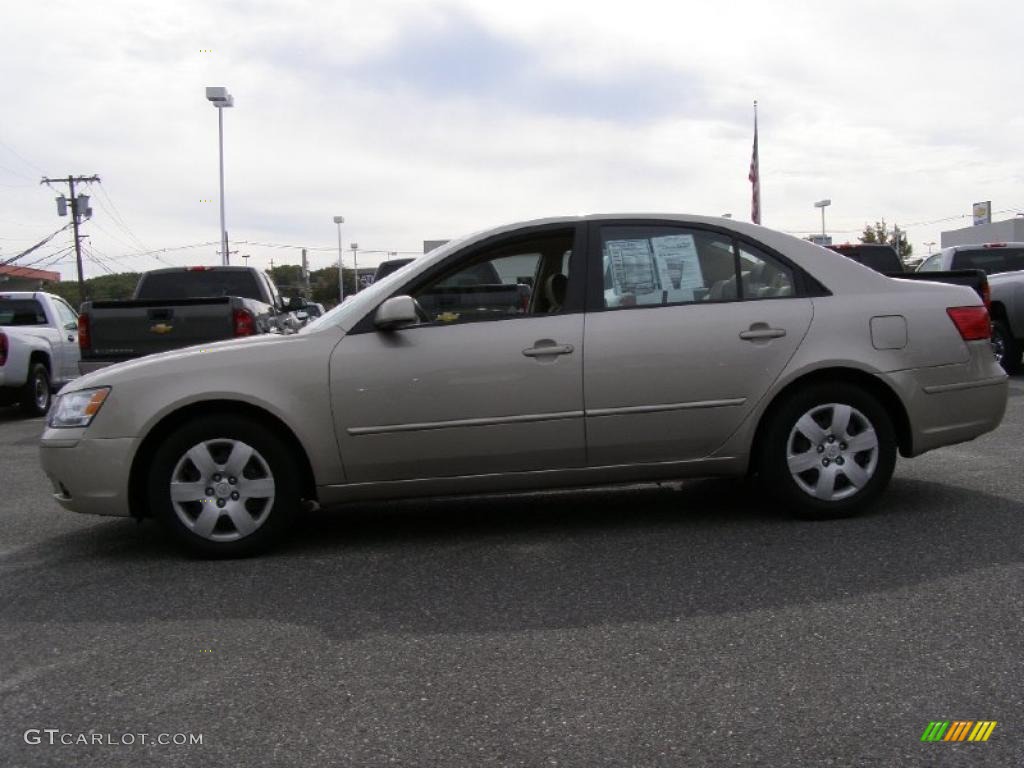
point(675, 625)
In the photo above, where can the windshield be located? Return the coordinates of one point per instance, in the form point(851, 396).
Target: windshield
point(354, 307)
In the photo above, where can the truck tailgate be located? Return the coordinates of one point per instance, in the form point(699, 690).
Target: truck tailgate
point(125, 329)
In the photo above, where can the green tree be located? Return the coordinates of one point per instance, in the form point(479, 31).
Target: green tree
point(324, 283)
point(114, 287)
point(879, 233)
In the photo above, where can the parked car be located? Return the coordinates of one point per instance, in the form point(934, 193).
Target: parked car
point(38, 348)
point(884, 259)
point(712, 347)
point(178, 307)
point(1004, 265)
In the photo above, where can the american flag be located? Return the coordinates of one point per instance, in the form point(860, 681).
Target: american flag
point(755, 178)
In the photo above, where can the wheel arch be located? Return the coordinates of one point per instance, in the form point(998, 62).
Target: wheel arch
point(885, 395)
point(170, 421)
point(40, 356)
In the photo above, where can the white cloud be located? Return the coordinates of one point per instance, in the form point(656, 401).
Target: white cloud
point(418, 120)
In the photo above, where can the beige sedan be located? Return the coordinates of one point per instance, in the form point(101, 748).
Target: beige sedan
point(555, 353)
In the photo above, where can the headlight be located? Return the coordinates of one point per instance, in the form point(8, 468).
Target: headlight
point(76, 409)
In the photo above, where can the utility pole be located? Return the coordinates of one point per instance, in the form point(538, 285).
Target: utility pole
point(305, 274)
point(79, 207)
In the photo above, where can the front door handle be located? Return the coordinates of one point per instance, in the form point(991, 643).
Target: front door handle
point(761, 331)
point(547, 347)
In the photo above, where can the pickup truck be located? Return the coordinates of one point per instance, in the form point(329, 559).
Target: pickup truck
point(1003, 263)
point(38, 348)
point(476, 293)
point(179, 307)
point(965, 271)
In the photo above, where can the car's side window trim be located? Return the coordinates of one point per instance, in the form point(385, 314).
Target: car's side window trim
point(574, 300)
point(804, 285)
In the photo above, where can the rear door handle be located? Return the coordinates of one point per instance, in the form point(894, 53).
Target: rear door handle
point(757, 334)
point(546, 347)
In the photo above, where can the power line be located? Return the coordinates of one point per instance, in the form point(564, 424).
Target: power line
point(118, 219)
point(40, 244)
point(10, 149)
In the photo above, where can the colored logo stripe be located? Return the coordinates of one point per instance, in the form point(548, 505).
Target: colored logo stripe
point(958, 730)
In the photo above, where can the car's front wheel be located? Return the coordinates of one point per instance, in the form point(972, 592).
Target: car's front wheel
point(224, 486)
point(828, 450)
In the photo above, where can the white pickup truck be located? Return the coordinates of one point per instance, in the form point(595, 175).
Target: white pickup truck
point(38, 348)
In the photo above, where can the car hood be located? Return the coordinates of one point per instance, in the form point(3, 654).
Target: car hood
point(214, 353)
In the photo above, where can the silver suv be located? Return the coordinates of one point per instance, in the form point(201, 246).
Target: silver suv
point(1004, 265)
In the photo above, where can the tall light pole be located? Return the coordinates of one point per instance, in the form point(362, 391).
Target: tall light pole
point(221, 99)
point(930, 246)
point(355, 262)
point(339, 220)
point(823, 204)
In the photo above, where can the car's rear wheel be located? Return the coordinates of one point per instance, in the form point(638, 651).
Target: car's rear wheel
point(224, 487)
point(35, 396)
point(827, 451)
point(1005, 347)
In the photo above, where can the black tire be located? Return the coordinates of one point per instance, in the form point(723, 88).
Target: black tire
point(36, 396)
point(1007, 349)
point(273, 517)
point(842, 496)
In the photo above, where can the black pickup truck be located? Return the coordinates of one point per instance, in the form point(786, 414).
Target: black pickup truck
point(884, 259)
point(178, 307)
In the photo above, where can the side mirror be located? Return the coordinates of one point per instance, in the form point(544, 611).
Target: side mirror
point(395, 312)
point(294, 303)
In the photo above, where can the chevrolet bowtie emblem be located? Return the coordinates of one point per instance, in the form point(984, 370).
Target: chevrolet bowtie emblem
point(161, 328)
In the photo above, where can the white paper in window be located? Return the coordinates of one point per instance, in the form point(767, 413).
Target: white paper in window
point(678, 266)
point(632, 268)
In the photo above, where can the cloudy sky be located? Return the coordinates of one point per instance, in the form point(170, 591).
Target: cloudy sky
point(423, 120)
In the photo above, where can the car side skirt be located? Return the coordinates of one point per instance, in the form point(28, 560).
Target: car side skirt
point(511, 482)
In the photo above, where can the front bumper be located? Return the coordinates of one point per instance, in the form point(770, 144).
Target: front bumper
point(88, 475)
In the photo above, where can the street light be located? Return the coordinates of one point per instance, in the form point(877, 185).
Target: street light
point(823, 204)
point(930, 246)
point(355, 262)
point(339, 220)
point(221, 99)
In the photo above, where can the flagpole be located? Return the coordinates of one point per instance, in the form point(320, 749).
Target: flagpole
point(755, 177)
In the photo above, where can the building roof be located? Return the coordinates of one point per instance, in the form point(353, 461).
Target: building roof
point(27, 273)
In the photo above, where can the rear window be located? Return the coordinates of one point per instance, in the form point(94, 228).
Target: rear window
point(199, 284)
point(880, 258)
point(21, 312)
point(991, 260)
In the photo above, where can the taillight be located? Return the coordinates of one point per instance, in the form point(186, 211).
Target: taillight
point(3, 348)
point(245, 323)
point(986, 295)
point(84, 337)
point(972, 322)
